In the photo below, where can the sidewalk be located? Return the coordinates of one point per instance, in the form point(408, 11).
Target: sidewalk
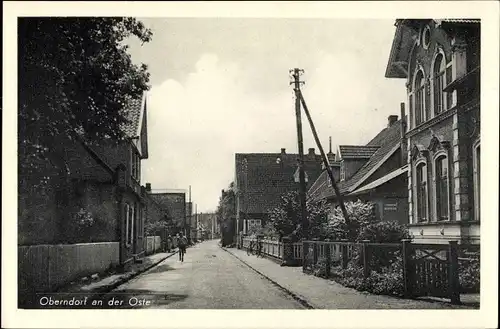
point(113, 280)
point(319, 293)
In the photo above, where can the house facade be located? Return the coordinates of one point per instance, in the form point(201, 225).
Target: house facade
point(440, 61)
point(262, 178)
point(375, 172)
point(126, 156)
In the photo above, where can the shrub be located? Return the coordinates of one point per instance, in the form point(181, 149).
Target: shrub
point(360, 215)
point(469, 275)
point(384, 232)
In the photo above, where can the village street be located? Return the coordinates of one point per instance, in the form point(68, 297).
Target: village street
point(209, 278)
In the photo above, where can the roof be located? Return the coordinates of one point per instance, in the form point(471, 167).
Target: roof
point(262, 178)
point(135, 127)
point(458, 20)
point(382, 180)
point(356, 151)
point(132, 112)
point(388, 141)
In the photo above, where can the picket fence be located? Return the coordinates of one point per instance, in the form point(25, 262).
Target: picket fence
point(428, 269)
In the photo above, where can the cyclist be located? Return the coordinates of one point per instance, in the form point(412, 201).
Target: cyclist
point(182, 243)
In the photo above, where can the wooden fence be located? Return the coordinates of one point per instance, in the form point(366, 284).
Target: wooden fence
point(43, 268)
point(428, 269)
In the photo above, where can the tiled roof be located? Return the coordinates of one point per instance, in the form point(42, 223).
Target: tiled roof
point(357, 151)
point(261, 179)
point(388, 139)
point(132, 113)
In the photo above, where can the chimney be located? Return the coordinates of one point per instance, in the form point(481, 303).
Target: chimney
point(404, 150)
point(148, 187)
point(311, 151)
point(391, 120)
point(283, 151)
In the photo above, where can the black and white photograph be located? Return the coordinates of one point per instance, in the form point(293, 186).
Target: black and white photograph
point(235, 161)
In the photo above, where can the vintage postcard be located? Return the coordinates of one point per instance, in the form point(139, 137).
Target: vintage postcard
point(269, 159)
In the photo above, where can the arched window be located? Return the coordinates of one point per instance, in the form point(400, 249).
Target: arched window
point(439, 82)
point(421, 185)
point(477, 180)
point(442, 188)
point(419, 98)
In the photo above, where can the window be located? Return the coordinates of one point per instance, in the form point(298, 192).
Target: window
point(342, 171)
point(477, 180)
point(419, 98)
point(135, 165)
point(421, 185)
point(426, 37)
point(131, 225)
point(127, 224)
point(439, 82)
point(442, 188)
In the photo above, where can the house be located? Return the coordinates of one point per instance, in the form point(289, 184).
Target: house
point(440, 61)
point(262, 178)
point(374, 172)
point(94, 196)
point(128, 155)
point(158, 220)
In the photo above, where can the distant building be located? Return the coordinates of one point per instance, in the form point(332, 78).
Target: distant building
point(440, 61)
point(262, 178)
point(374, 172)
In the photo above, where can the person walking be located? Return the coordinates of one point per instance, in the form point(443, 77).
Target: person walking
point(182, 246)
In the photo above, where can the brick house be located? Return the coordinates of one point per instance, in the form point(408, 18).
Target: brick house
point(374, 172)
point(127, 156)
point(440, 61)
point(99, 197)
point(262, 178)
point(156, 213)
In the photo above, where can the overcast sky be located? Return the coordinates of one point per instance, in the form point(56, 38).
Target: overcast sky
point(220, 86)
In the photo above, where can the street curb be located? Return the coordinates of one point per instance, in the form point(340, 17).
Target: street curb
point(107, 289)
point(298, 298)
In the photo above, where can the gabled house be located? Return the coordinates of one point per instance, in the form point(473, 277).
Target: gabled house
point(127, 156)
point(262, 178)
point(374, 172)
point(440, 61)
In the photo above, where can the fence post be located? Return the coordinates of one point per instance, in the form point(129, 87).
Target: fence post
point(366, 257)
point(315, 250)
point(344, 253)
point(287, 252)
point(407, 268)
point(305, 249)
point(327, 258)
point(454, 282)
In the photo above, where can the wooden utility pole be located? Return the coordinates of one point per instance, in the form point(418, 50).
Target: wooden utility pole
point(302, 181)
point(190, 214)
point(327, 165)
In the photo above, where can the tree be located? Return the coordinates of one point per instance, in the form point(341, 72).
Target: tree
point(286, 216)
point(75, 77)
point(226, 214)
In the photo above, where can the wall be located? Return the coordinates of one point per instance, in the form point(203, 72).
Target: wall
point(43, 268)
point(153, 244)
